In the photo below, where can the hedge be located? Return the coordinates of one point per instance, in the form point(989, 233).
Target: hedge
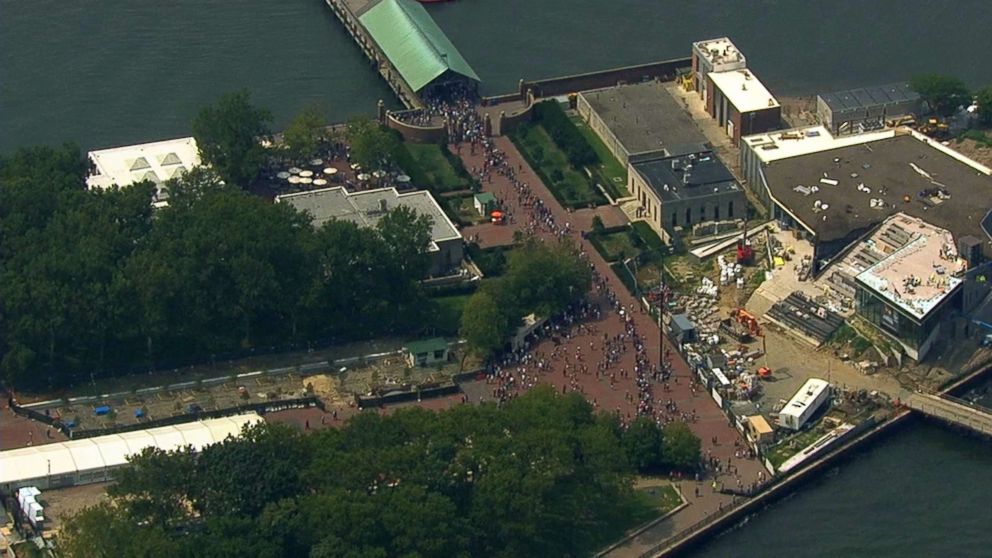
point(564, 133)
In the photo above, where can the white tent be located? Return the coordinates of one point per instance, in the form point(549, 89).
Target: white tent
point(93, 459)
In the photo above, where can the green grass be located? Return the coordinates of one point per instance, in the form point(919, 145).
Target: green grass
point(448, 315)
point(464, 208)
point(615, 245)
point(793, 445)
point(571, 187)
point(650, 238)
point(662, 498)
point(442, 176)
point(614, 175)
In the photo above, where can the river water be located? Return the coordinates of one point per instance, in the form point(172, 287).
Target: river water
point(113, 72)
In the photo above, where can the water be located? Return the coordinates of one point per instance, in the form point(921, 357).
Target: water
point(113, 72)
point(923, 492)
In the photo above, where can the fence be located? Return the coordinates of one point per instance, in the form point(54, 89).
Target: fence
point(260, 408)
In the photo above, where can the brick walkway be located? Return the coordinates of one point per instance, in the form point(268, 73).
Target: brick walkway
point(711, 420)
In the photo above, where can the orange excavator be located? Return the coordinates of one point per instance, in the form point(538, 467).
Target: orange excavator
point(749, 321)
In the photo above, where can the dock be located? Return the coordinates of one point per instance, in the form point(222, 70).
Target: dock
point(952, 410)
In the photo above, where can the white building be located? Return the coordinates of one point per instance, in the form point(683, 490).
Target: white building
point(90, 460)
point(155, 162)
point(804, 404)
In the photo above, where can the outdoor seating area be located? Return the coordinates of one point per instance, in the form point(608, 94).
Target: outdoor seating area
point(331, 167)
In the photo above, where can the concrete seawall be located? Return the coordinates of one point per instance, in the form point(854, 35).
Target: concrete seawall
point(664, 70)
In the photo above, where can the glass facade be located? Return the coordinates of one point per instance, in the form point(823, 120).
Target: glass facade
point(892, 320)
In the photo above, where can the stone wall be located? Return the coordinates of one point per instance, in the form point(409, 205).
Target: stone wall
point(418, 134)
point(664, 71)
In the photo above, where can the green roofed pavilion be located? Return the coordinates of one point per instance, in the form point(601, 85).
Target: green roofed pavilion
point(415, 45)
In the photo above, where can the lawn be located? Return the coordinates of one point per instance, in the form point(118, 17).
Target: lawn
point(448, 316)
point(571, 187)
point(793, 445)
point(647, 234)
point(613, 173)
point(662, 498)
point(443, 177)
point(615, 245)
point(464, 208)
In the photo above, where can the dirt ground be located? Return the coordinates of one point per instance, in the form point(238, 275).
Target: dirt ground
point(799, 111)
point(64, 502)
point(973, 150)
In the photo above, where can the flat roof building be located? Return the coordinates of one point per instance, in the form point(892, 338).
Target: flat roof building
point(838, 189)
point(640, 120)
point(804, 404)
point(713, 55)
point(867, 108)
point(155, 162)
point(741, 104)
point(908, 292)
point(366, 208)
point(685, 190)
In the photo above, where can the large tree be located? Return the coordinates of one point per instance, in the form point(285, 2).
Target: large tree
point(228, 135)
point(305, 133)
point(944, 94)
point(485, 325)
point(372, 145)
point(984, 97)
point(538, 476)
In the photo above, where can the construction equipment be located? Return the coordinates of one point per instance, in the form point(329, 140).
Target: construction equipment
point(907, 120)
point(744, 318)
point(745, 254)
point(764, 373)
point(936, 128)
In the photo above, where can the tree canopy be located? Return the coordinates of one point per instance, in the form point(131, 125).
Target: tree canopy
point(372, 145)
point(984, 97)
point(228, 136)
point(944, 94)
point(542, 476)
point(540, 278)
point(303, 135)
point(92, 282)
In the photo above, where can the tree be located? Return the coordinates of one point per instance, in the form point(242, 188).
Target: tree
point(485, 325)
point(305, 133)
point(943, 94)
point(372, 145)
point(227, 135)
point(984, 97)
point(643, 442)
point(682, 447)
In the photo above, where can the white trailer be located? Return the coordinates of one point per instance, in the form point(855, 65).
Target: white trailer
point(804, 403)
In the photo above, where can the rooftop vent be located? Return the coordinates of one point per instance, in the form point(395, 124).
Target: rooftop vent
point(382, 205)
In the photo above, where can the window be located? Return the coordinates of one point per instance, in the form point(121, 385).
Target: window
point(730, 209)
point(702, 213)
point(716, 212)
point(688, 216)
point(675, 219)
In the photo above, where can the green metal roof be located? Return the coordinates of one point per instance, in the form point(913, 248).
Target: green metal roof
point(426, 345)
point(411, 40)
point(485, 197)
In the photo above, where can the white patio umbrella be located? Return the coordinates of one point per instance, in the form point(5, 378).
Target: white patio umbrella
point(283, 175)
point(330, 170)
point(317, 162)
point(379, 174)
point(295, 170)
point(306, 180)
point(319, 182)
point(363, 176)
point(307, 173)
point(403, 178)
point(294, 179)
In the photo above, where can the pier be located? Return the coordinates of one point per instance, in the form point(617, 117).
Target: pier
point(952, 410)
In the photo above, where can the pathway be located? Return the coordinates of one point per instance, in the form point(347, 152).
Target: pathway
point(711, 424)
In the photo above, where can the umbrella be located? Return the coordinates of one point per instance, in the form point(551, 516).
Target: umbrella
point(319, 182)
point(402, 178)
point(307, 173)
point(355, 166)
point(294, 179)
point(497, 214)
point(295, 170)
point(317, 162)
point(330, 170)
point(306, 180)
point(379, 174)
point(283, 175)
point(363, 176)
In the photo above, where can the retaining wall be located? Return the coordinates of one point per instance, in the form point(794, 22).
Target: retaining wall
point(417, 134)
point(664, 70)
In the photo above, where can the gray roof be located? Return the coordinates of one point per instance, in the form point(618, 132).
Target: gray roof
point(683, 322)
point(645, 117)
point(365, 208)
point(885, 165)
point(691, 176)
point(869, 97)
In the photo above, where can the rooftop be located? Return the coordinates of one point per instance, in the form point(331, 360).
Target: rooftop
point(689, 176)
point(802, 141)
point(646, 118)
point(743, 90)
point(806, 395)
point(841, 191)
point(865, 98)
point(413, 42)
point(366, 208)
point(156, 162)
point(719, 51)
point(918, 276)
